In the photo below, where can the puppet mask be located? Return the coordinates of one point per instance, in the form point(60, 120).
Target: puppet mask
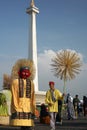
point(24, 73)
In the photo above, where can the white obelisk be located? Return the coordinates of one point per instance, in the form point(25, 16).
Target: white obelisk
point(32, 53)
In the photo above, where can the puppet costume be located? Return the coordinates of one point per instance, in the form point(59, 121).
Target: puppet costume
point(23, 97)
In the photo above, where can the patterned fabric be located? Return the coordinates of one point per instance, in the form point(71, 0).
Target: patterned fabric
point(28, 88)
point(48, 99)
point(23, 103)
point(53, 96)
point(22, 115)
point(21, 88)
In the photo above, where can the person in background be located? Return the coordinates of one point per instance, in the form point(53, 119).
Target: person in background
point(76, 102)
point(52, 97)
point(70, 107)
point(58, 117)
point(44, 115)
point(23, 95)
point(85, 105)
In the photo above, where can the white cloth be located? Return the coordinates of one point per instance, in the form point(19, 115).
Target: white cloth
point(53, 96)
point(53, 119)
point(70, 107)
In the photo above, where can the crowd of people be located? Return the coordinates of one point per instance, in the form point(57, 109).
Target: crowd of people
point(76, 107)
point(55, 101)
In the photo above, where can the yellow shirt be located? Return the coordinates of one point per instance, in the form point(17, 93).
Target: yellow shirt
point(54, 106)
point(22, 104)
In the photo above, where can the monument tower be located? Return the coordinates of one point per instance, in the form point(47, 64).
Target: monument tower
point(32, 52)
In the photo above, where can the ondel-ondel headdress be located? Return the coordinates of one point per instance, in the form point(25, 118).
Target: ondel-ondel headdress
point(23, 63)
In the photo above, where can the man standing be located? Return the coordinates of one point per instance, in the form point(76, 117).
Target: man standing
point(76, 102)
point(85, 105)
point(52, 96)
point(70, 107)
point(59, 114)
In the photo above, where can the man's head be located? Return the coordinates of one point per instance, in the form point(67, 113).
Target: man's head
point(76, 96)
point(51, 84)
point(24, 72)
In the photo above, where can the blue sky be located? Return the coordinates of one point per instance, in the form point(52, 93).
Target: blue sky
point(61, 24)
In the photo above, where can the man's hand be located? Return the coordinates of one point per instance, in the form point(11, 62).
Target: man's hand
point(50, 104)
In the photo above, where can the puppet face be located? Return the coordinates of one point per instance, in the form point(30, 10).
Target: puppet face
point(24, 73)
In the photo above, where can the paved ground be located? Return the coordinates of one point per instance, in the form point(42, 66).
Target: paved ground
point(78, 124)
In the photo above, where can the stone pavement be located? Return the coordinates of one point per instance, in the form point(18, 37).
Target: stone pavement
point(78, 124)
